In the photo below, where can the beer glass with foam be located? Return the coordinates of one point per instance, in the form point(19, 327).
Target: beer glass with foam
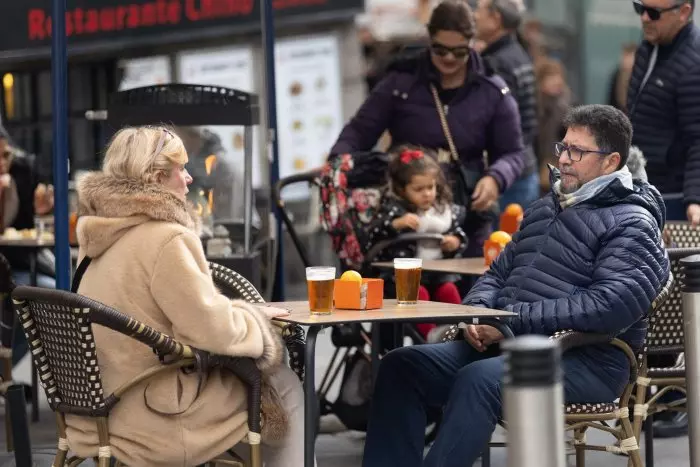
point(320, 282)
point(407, 275)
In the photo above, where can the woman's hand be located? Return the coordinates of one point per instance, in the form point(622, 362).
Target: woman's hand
point(272, 312)
point(485, 194)
point(407, 221)
point(450, 243)
point(43, 199)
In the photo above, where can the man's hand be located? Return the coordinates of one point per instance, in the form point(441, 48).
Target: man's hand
point(485, 193)
point(450, 243)
point(407, 221)
point(480, 336)
point(693, 213)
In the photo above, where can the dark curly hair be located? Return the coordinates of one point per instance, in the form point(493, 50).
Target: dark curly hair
point(401, 173)
point(452, 15)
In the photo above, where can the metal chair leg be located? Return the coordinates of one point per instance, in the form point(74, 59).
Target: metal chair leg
point(17, 410)
point(649, 441)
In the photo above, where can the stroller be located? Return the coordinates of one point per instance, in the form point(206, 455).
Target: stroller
point(351, 186)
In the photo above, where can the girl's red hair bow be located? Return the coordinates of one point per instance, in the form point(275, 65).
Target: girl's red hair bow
point(410, 155)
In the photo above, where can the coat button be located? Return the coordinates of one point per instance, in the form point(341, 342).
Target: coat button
point(404, 96)
point(396, 92)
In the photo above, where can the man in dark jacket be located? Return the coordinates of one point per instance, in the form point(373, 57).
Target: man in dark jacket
point(588, 257)
point(663, 103)
point(496, 24)
point(664, 107)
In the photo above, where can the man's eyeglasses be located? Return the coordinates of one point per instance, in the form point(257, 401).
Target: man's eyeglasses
point(653, 12)
point(442, 50)
point(575, 153)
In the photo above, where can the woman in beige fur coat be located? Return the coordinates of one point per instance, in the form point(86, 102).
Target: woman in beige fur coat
point(148, 262)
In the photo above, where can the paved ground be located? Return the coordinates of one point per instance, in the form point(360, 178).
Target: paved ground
point(338, 448)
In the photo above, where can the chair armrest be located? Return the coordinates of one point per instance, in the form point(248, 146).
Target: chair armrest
point(571, 339)
point(403, 238)
point(246, 369)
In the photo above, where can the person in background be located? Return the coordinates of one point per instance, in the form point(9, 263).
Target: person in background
point(496, 24)
point(620, 80)
point(480, 112)
point(21, 199)
point(664, 107)
point(553, 102)
point(419, 199)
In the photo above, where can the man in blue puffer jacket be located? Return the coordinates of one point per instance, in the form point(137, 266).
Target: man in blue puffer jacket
point(588, 257)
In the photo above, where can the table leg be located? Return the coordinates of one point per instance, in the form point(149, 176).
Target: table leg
point(398, 335)
point(374, 354)
point(33, 281)
point(310, 398)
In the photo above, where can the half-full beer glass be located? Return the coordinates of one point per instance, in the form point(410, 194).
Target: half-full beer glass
point(407, 272)
point(320, 281)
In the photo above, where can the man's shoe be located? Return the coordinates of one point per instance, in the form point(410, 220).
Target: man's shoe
point(671, 426)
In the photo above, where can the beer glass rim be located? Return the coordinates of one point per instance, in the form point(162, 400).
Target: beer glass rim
point(408, 263)
point(320, 273)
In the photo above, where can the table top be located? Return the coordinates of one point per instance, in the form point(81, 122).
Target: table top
point(27, 242)
point(434, 312)
point(466, 266)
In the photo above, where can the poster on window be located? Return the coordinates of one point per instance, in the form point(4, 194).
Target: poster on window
point(147, 71)
point(309, 103)
point(231, 68)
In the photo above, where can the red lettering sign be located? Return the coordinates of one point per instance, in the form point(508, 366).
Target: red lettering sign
point(95, 20)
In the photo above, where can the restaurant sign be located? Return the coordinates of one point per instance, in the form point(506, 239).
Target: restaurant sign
point(27, 24)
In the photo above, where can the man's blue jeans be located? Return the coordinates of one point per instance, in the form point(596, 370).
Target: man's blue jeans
point(468, 385)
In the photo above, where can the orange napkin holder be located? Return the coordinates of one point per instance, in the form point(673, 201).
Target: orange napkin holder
point(352, 295)
point(510, 223)
point(491, 251)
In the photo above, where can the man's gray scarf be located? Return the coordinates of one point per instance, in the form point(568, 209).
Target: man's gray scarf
point(591, 189)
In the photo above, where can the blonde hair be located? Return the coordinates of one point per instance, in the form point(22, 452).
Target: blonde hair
point(144, 153)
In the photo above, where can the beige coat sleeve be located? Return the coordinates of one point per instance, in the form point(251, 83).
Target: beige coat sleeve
point(201, 316)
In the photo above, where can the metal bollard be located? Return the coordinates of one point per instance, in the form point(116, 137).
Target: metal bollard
point(533, 398)
point(691, 329)
point(17, 409)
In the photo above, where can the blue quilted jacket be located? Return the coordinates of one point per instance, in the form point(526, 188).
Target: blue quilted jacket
point(592, 267)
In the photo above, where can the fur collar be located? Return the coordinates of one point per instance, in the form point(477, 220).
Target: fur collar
point(106, 196)
point(109, 207)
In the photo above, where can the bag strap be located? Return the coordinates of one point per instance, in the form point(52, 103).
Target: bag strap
point(82, 267)
point(443, 123)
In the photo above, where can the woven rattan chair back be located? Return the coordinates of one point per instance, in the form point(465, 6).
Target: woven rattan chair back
point(665, 333)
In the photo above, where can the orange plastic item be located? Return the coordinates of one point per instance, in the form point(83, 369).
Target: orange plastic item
point(72, 224)
point(491, 251)
point(351, 295)
point(511, 218)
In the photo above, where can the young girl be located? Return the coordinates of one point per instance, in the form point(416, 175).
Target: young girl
point(419, 200)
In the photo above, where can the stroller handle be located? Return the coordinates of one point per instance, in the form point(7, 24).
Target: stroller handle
point(403, 238)
point(308, 177)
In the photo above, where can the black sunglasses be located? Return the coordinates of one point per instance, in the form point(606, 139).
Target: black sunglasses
point(442, 50)
point(653, 13)
point(575, 153)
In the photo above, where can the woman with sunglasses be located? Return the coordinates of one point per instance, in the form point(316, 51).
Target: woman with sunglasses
point(447, 99)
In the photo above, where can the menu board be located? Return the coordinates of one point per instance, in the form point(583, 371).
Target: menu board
point(145, 71)
point(231, 68)
point(309, 103)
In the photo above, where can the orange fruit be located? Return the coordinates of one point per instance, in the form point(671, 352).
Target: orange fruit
point(514, 210)
point(500, 237)
point(351, 276)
